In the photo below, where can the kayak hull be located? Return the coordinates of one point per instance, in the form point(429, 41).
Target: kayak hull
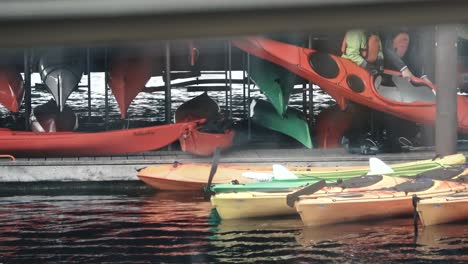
point(192, 176)
point(374, 205)
point(90, 144)
point(11, 88)
point(204, 144)
point(48, 118)
point(61, 72)
point(128, 76)
point(274, 81)
point(333, 123)
point(347, 81)
point(248, 205)
point(291, 123)
point(441, 210)
point(214, 133)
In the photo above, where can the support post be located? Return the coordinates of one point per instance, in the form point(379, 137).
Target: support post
point(311, 90)
point(249, 119)
point(106, 91)
point(446, 80)
point(226, 81)
point(244, 113)
point(230, 77)
point(27, 87)
point(88, 69)
point(167, 98)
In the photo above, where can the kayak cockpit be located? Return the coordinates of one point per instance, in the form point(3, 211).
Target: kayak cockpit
point(398, 89)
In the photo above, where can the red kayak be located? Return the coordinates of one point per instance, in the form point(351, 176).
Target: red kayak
point(204, 139)
point(128, 77)
point(332, 124)
point(202, 143)
point(11, 88)
point(91, 144)
point(344, 80)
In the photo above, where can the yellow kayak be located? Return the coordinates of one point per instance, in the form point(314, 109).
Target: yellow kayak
point(444, 209)
point(379, 204)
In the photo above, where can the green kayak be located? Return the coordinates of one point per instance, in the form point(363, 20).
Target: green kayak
point(274, 81)
point(292, 123)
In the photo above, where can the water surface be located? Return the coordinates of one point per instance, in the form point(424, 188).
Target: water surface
point(182, 228)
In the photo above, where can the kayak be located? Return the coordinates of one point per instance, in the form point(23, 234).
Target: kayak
point(11, 88)
point(128, 76)
point(48, 118)
point(333, 123)
point(445, 209)
point(236, 205)
point(345, 81)
point(193, 176)
point(274, 81)
point(371, 205)
point(291, 123)
point(199, 107)
point(205, 138)
point(201, 143)
point(27, 144)
point(61, 71)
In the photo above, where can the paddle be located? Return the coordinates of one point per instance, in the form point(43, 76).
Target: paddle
point(415, 201)
point(214, 167)
point(310, 189)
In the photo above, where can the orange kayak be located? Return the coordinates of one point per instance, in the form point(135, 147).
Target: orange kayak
point(192, 176)
point(11, 88)
point(445, 209)
point(128, 77)
point(345, 81)
point(204, 139)
point(350, 207)
point(90, 144)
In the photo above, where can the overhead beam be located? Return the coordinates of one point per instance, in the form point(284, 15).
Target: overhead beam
point(203, 19)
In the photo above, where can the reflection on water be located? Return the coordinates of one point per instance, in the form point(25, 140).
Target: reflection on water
point(182, 228)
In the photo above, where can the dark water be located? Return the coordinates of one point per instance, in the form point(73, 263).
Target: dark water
point(182, 228)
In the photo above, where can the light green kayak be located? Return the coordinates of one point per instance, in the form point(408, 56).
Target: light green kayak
point(292, 123)
point(430, 170)
point(274, 81)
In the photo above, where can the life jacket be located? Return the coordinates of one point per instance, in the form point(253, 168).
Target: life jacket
point(371, 48)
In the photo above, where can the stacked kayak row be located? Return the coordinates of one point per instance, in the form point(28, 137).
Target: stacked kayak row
point(265, 202)
point(345, 81)
point(324, 195)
